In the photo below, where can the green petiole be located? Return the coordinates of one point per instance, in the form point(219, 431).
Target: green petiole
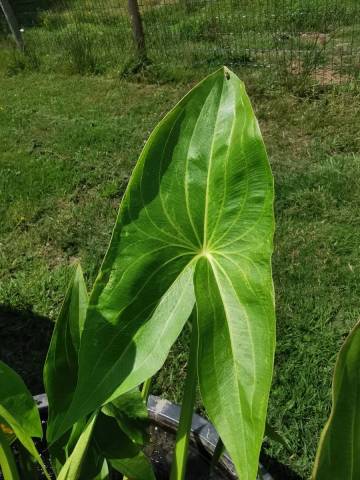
point(178, 467)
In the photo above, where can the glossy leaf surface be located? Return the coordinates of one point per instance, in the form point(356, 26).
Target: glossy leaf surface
point(136, 468)
point(200, 198)
point(73, 465)
point(130, 412)
point(338, 455)
point(16, 399)
point(61, 365)
point(18, 409)
point(120, 451)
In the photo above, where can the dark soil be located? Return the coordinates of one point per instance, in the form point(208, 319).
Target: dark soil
point(24, 341)
point(160, 451)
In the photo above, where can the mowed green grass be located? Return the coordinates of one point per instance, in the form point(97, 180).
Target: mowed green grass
point(79, 39)
point(67, 148)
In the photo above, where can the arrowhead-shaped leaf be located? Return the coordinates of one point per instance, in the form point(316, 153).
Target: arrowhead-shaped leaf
point(338, 455)
point(200, 198)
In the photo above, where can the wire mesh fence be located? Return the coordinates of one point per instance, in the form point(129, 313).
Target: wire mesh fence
point(319, 38)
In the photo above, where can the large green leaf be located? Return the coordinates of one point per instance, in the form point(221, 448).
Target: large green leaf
point(200, 197)
point(18, 409)
point(338, 455)
point(61, 365)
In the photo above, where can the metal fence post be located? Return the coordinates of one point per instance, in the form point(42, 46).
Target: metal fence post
point(138, 30)
point(12, 22)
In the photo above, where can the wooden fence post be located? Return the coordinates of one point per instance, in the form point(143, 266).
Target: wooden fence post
point(138, 30)
point(12, 22)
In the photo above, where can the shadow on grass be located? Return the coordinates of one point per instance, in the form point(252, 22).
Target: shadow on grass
point(24, 341)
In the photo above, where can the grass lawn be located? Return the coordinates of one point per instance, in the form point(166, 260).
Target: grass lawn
point(68, 145)
point(321, 37)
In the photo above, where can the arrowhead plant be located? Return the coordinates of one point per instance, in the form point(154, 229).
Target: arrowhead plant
point(194, 230)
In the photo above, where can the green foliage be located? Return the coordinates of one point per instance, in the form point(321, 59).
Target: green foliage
point(19, 411)
point(16, 402)
point(134, 467)
point(77, 139)
point(338, 451)
point(61, 365)
point(195, 34)
point(179, 460)
point(130, 412)
point(7, 460)
point(73, 465)
point(122, 453)
point(79, 453)
point(197, 211)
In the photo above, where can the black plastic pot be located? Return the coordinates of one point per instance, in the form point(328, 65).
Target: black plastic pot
point(164, 419)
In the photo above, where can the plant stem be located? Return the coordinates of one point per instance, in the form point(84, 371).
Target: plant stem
point(145, 390)
point(7, 460)
point(178, 467)
point(219, 450)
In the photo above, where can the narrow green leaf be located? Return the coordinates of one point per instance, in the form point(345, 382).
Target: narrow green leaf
point(94, 466)
point(21, 432)
point(338, 454)
point(130, 412)
point(73, 465)
point(104, 472)
point(61, 365)
point(62, 448)
point(200, 197)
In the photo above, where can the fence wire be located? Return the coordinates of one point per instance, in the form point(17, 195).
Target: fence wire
point(320, 38)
